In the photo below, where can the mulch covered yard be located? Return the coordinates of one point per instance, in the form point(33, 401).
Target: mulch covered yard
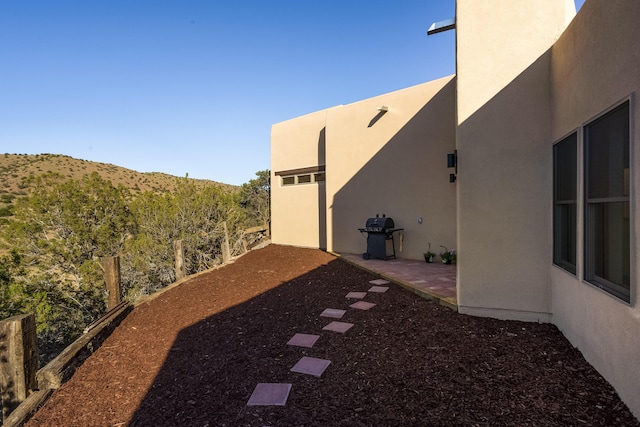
point(193, 356)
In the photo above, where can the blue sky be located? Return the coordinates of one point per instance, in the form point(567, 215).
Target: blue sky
point(194, 86)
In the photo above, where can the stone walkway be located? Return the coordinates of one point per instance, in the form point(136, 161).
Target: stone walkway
point(435, 281)
point(276, 394)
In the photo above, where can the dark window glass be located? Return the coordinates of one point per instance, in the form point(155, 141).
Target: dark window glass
point(565, 199)
point(304, 179)
point(608, 155)
point(607, 225)
point(288, 180)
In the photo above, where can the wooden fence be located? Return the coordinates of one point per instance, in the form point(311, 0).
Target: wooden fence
point(23, 387)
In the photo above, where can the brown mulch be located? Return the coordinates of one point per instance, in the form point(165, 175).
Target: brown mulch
point(193, 356)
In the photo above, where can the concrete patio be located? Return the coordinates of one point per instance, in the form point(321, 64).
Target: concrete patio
point(435, 281)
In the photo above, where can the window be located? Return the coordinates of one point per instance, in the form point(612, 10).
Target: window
point(304, 179)
point(607, 225)
point(288, 180)
point(565, 177)
point(307, 175)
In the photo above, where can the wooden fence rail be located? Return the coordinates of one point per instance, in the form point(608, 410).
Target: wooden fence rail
point(23, 387)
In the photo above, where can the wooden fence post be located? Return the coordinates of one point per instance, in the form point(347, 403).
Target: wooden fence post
point(111, 267)
point(178, 250)
point(226, 252)
point(18, 360)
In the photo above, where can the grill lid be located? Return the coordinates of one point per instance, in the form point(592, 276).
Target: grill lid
point(379, 224)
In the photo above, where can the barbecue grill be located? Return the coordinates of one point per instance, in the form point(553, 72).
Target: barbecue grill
point(378, 231)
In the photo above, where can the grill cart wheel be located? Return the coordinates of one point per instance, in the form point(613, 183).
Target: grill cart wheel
point(366, 255)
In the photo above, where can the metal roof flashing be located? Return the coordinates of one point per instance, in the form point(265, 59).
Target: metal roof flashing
point(440, 26)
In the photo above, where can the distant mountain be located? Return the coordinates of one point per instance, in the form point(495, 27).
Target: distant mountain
point(15, 168)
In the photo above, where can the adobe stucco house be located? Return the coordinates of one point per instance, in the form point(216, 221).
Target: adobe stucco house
point(543, 114)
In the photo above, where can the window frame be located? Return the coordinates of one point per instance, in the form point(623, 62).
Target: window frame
point(559, 234)
point(302, 176)
point(591, 205)
point(304, 179)
point(288, 180)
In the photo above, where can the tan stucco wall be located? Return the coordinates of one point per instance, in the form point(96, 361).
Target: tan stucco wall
point(498, 39)
point(515, 94)
point(504, 173)
point(393, 163)
point(297, 210)
point(396, 166)
point(595, 65)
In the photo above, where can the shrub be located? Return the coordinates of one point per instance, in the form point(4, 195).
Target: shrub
point(6, 211)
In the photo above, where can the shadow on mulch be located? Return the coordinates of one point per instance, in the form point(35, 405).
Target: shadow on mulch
point(193, 356)
point(405, 362)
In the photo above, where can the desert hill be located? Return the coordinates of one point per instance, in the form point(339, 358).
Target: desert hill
point(15, 168)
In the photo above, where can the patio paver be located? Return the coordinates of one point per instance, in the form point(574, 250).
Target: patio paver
point(333, 312)
point(362, 305)
point(340, 327)
point(270, 394)
point(357, 295)
point(303, 340)
point(311, 366)
point(379, 289)
point(435, 281)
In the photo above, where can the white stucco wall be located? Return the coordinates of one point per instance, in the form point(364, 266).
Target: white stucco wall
point(595, 65)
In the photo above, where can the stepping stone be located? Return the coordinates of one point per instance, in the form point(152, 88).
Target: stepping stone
point(379, 282)
point(362, 305)
point(358, 295)
point(311, 366)
point(340, 327)
point(333, 312)
point(379, 289)
point(270, 394)
point(303, 340)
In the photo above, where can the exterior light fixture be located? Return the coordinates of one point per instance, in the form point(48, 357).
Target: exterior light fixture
point(383, 108)
point(452, 162)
